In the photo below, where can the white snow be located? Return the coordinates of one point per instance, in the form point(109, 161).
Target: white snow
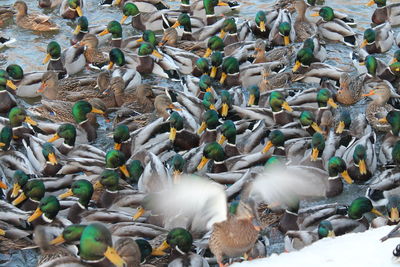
point(353, 250)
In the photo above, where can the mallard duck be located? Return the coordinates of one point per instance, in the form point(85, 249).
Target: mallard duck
point(33, 21)
point(334, 29)
point(82, 28)
point(92, 54)
point(296, 240)
point(213, 151)
point(181, 138)
point(170, 38)
point(378, 69)
point(115, 29)
point(122, 139)
point(27, 83)
point(318, 49)
point(378, 108)
point(142, 21)
point(49, 3)
point(385, 13)
point(208, 11)
point(32, 192)
point(180, 241)
point(351, 89)
point(228, 133)
point(303, 28)
point(259, 26)
point(5, 14)
point(378, 39)
point(209, 125)
point(71, 9)
point(391, 138)
point(108, 182)
point(230, 75)
point(71, 60)
point(9, 100)
point(16, 117)
point(282, 32)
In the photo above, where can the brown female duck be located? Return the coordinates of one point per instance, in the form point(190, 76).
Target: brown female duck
point(33, 21)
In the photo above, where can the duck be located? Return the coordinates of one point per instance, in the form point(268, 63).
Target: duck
point(208, 125)
point(378, 69)
point(16, 116)
point(391, 137)
point(82, 28)
point(303, 28)
point(5, 14)
point(170, 38)
point(230, 75)
point(280, 108)
point(378, 39)
point(318, 49)
point(282, 32)
point(351, 89)
point(228, 132)
point(181, 138)
point(71, 9)
point(108, 182)
point(92, 54)
point(328, 27)
point(385, 13)
point(115, 29)
point(209, 9)
point(26, 83)
point(213, 151)
point(32, 192)
point(259, 26)
point(49, 3)
point(35, 22)
point(140, 20)
point(9, 100)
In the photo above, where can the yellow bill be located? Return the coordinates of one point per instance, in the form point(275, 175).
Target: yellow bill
point(286, 40)
point(38, 212)
point(394, 60)
point(110, 65)
point(139, 213)
point(79, 11)
point(208, 52)
point(296, 66)
point(222, 139)
point(30, 121)
point(176, 24)
point(347, 177)
point(340, 127)
point(11, 85)
point(77, 30)
point(157, 54)
point(213, 107)
point(287, 107)
point(124, 170)
point(315, 14)
point(164, 245)
point(383, 120)
point(69, 193)
point(112, 255)
point(331, 233)
point(394, 214)
point(267, 147)
point(15, 190)
point(202, 163)
point(2, 232)
point(104, 32)
point(224, 110)
point(376, 212)
point(370, 3)
point(362, 166)
point(262, 26)
point(213, 72)
point(223, 78)
point(316, 127)
point(332, 103)
point(252, 99)
point(2, 144)
point(203, 126)
point(97, 185)
point(52, 159)
point(46, 59)
point(220, 3)
point(97, 111)
point(314, 154)
point(364, 44)
point(222, 34)
point(117, 146)
point(58, 240)
point(172, 134)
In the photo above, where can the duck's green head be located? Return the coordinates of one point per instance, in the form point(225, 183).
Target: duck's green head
point(71, 234)
point(337, 166)
point(17, 116)
point(359, 157)
point(209, 5)
point(66, 131)
point(216, 61)
point(304, 57)
point(183, 21)
point(15, 72)
point(261, 20)
point(228, 132)
point(82, 25)
point(396, 57)
point(120, 135)
point(369, 37)
point(254, 95)
point(396, 153)
point(325, 229)
point(83, 189)
point(230, 66)
point(215, 43)
point(202, 65)
point(371, 64)
point(115, 28)
point(48, 208)
point(5, 81)
point(277, 102)
point(116, 159)
point(276, 139)
point(150, 37)
point(145, 248)
point(147, 49)
point(180, 239)
point(76, 6)
point(49, 153)
point(309, 43)
point(33, 189)
point(317, 146)
point(284, 29)
point(80, 110)
point(307, 119)
point(117, 57)
point(6, 135)
point(208, 101)
point(175, 124)
point(228, 26)
point(359, 206)
point(205, 83)
point(96, 243)
point(212, 151)
point(129, 9)
point(108, 179)
point(324, 98)
point(20, 179)
point(210, 121)
point(135, 169)
point(315, 2)
point(395, 68)
point(344, 122)
point(326, 13)
point(53, 51)
point(177, 164)
point(226, 100)
point(379, 3)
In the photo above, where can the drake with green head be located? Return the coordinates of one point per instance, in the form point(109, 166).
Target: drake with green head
point(201, 67)
point(317, 146)
point(336, 166)
point(205, 84)
point(304, 59)
point(81, 29)
point(8, 100)
point(116, 159)
point(6, 135)
point(378, 39)
point(32, 193)
point(48, 209)
point(359, 171)
point(80, 110)
point(83, 190)
point(66, 131)
point(324, 98)
point(148, 36)
point(72, 10)
point(109, 180)
point(52, 165)
point(229, 27)
point(122, 139)
point(393, 118)
point(142, 21)
point(17, 116)
point(54, 56)
point(20, 179)
point(179, 136)
point(230, 72)
point(384, 13)
point(115, 28)
point(129, 9)
point(279, 106)
point(135, 169)
point(70, 235)
point(359, 207)
point(209, 101)
point(277, 140)
point(307, 122)
point(216, 62)
point(215, 43)
point(177, 166)
point(259, 27)
point(209, 127)
point(254, 95)
point(228, 132)
point(96, 246)
point(226, 103)
point(117, 57)
point(344, 122)
point(283, 35)
point(146, 62)
point(209, 6)
point(184, 21)
point(213, 151)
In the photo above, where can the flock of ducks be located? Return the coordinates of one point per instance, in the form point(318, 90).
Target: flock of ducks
point(256, 113)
